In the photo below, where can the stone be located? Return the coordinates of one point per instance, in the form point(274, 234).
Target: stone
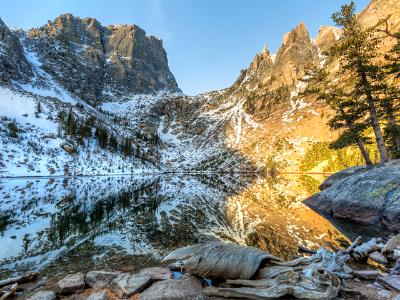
point(187, 287)
point(102, 295)
point(366, 274)
point(378, 258)
point(127, 284)
point(71, 284)
point(157, 273)
point(100, 279)
point(43, 295)
point(391, 282)
point(369, 196)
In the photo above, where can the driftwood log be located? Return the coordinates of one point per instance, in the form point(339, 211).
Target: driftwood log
point(392, 244)
point(312, 277)
point(19, 279)
point(363, 250)
point(9, 291)
point(217, 260)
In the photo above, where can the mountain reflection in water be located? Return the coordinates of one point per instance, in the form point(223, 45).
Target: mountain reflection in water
point(62, 225)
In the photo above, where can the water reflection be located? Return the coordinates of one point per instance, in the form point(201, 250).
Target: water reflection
point(60, 225)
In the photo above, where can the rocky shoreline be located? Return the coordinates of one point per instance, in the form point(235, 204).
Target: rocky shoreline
point(219, 270)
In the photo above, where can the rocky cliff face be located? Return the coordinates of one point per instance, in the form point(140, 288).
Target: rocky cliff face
point(99, 63)
point(13, 64)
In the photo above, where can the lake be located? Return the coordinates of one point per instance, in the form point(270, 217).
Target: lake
point(62, 225)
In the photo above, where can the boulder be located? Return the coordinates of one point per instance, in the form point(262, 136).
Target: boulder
point(43, 295)
point(127, 284)
point(71, 284)
point(370, 197)
point(100, 279)
point(157, 273)
point(187, 287)
point(102, 295)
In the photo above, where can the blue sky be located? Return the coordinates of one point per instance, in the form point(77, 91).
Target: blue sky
point(207, 41)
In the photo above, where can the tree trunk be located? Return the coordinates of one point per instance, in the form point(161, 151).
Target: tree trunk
point(396, 139)
point(364, 152)
point(374, 120)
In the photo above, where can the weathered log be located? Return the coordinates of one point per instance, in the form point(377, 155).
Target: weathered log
point(306, 250)
point(396, 268)
point(392, 244)
point(356, 243)
point(392, 282)
point(309, 283)
point(218, 260)
point(366, 274)
point(363, 250)
point(10, 291)
point(378, 258)
point(19, 279)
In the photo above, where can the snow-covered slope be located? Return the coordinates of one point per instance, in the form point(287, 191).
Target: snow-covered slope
point(40, 148)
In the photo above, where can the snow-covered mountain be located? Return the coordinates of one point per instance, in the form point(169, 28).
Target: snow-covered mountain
point(80, 98)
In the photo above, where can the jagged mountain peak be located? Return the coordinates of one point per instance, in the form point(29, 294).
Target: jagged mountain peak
point(326, 37)
point(299, 32)
point(97, 63)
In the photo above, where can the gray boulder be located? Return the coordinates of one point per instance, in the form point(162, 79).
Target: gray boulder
point(43, 295)
point(187, 287)
point(157, 273)
point(127, 284)
point(100, 279)
point(371, 197)
point(102, 295)
point(71, 284)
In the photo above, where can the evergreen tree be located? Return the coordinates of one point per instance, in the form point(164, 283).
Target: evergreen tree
point(356, 50)
point(71, 124)
point(13, 129)
point(127, 147)
point(113, 142)
point(38, 109)
point(349, 114)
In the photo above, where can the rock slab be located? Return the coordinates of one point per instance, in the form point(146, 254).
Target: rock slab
point(157, 273)
point(71, 283)
point(43, 295)
point(127, 284)
point(98, 296)
point(100, 279)
point(185, 288)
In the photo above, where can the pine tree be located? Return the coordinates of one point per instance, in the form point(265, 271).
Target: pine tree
point(356, 50)
point(113, 142)
point(38, 109)
point(348, 114)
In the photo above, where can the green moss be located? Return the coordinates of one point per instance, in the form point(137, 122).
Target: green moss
point(337, 159)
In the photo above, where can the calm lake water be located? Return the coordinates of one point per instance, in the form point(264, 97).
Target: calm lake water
point(63, 225)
